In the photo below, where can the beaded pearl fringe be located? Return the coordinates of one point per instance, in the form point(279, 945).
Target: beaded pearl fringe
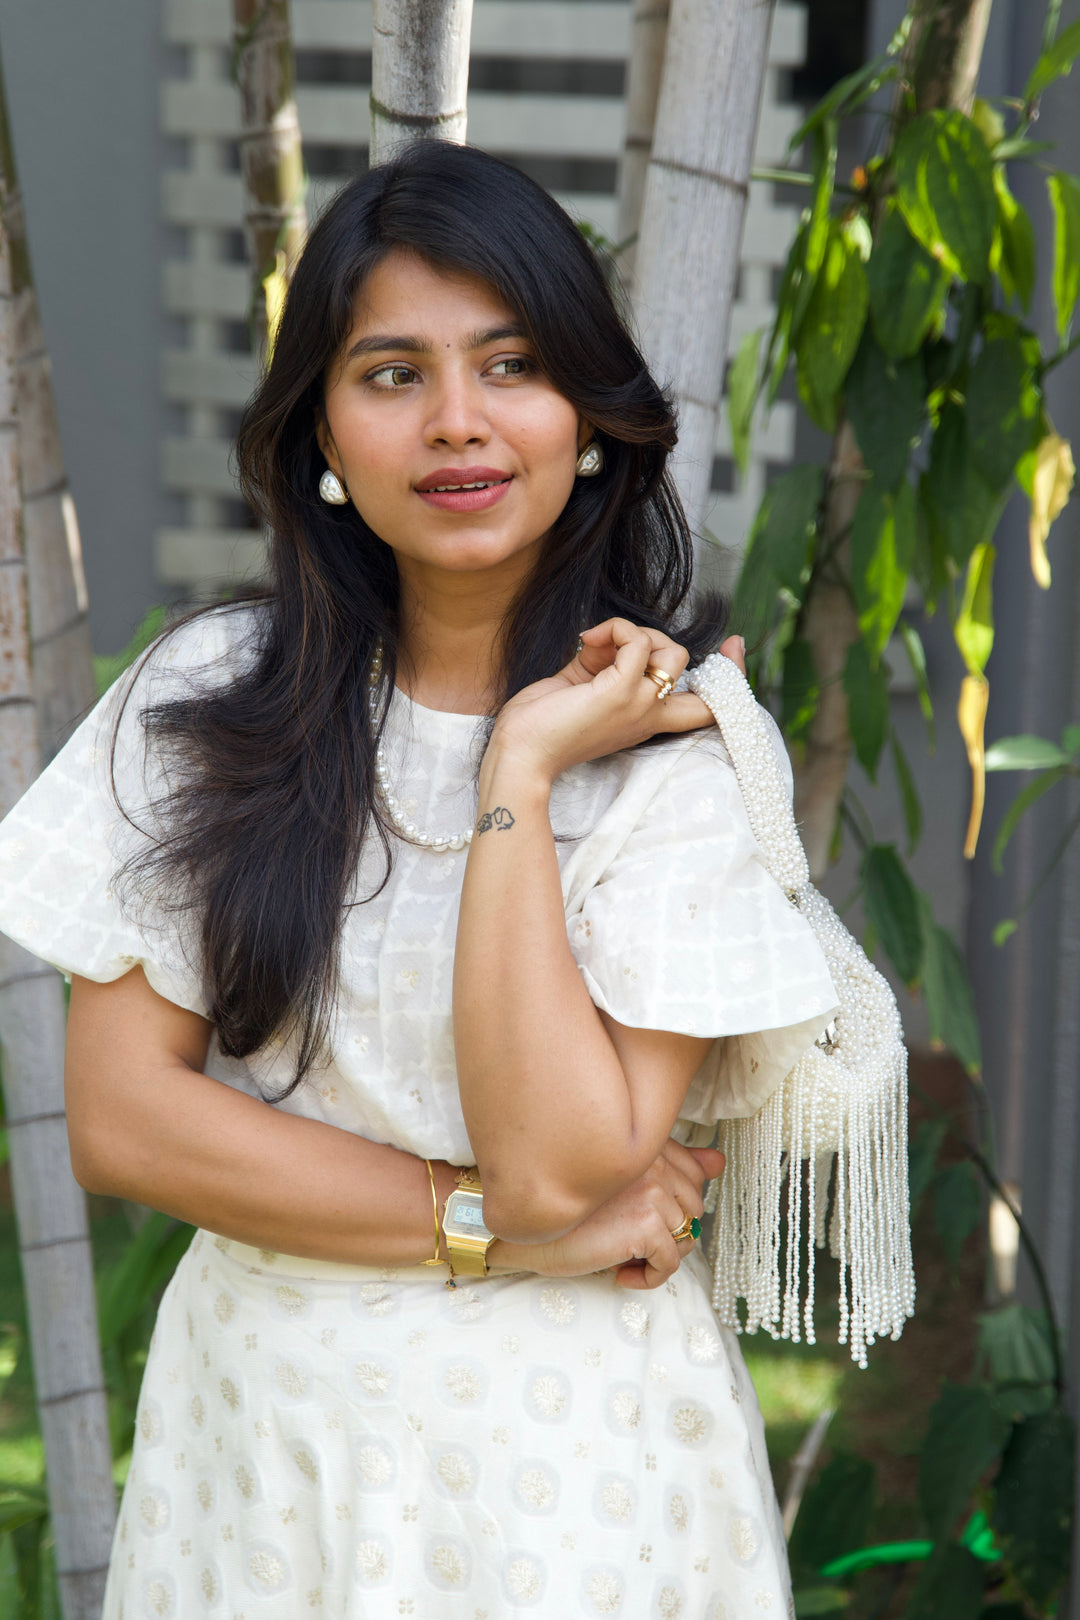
point(395, 813)
point(844, 1101)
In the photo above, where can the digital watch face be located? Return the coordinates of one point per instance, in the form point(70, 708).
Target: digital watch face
point(467, 1213)
point(470, 1215)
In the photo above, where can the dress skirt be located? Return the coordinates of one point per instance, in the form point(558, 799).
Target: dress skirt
point(365, 1444)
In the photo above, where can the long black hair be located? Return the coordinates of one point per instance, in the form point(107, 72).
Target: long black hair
point(265, 821)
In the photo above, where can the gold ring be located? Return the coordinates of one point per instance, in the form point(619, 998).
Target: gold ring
point(690, 1228)
point(660, 678)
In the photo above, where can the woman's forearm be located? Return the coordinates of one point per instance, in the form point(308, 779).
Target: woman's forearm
point(546, 1100)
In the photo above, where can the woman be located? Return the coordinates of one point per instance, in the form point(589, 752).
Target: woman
point(297, 854)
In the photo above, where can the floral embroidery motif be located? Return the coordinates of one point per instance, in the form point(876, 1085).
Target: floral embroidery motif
point(678, 1511)
point(690, 1425)
point(230, 1394)
point(306, 1464)
point(524, 1578)
point(208, 1586)
point(448, 1562)
point(371, 1562)
point(290, 1379)
point(158, 1598)
point(616, 1500)
point(635, 1318)
point(742, 1540)
point(626, 1409)
point(455, 1471)
point(549, 1395)
point(462, 1383)
point(605, 1592)
point(537, 1489)
point(373, 1377)
point(291, 1302)
point(702, 1344)
point(245, 1482)
point(669, 1604)
point(224, 1308)
point(268, 1569)
point(558, 1306)
point(374, 1465)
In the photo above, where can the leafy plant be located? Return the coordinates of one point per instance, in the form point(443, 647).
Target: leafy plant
point(902, 315)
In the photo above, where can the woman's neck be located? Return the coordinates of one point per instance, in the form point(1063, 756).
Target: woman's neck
point(449, 649)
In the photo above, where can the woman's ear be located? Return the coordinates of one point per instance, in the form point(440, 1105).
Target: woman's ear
point(325, 440)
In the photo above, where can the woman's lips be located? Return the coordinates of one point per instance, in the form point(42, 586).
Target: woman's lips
point(468, 489)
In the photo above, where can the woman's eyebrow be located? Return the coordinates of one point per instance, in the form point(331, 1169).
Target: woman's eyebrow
point(380, 342)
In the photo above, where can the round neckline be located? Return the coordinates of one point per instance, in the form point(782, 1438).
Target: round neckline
point(433, 725)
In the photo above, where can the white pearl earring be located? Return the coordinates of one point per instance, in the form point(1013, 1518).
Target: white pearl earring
point(332, 489)
point(590, 461)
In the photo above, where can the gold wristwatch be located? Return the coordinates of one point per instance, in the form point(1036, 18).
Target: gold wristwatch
point(467, 1238)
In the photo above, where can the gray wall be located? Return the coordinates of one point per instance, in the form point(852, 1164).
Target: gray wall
point(82, 82)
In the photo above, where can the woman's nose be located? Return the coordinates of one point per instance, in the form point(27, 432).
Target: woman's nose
point(458, 415)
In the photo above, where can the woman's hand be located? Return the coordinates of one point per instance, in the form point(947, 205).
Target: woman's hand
point(631, 1232)
point(600, 702)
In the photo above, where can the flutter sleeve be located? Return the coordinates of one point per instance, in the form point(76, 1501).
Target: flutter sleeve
point(684, 929)
point(65, 841)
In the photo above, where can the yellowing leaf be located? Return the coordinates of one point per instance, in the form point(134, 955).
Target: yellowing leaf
point(1048, 479)
point(971, 717)
point(974, 627)
point(275, 285)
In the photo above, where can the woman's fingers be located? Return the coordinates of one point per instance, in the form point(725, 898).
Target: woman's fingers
point(735, 649)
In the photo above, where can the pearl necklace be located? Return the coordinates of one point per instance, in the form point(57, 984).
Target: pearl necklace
point(442, 841)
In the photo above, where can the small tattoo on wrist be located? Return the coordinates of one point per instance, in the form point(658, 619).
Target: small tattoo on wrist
point(500, 818)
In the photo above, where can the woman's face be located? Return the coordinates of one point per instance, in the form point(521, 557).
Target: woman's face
point(455, 449)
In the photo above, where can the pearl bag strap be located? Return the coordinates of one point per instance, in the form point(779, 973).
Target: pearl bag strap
point(745, 731)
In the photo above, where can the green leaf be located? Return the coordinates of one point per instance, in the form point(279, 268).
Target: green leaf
point(1027, 796)
point(846, 95)
point(800, 688)
point(957, 1206)
point(1070, 740)
point(1016, 265)
point(835, 1513)
point(917, 659)
point(1056, 60)
point(891, 905)
point(742, 390)
point(134, 1281)
point(811, 1600)
point(922, 1160)
point(1064, 192)
point(945, 189)
point(1004, 409)
point(964, 1436)
point(950, 1005)
point(778, 550)
point(818, 224)
point(885, 400)
point(951, 1585)
point(110, 666)
point(20, 1508)
point(1004, 930)
point(830, 329)
point(1014, 1341)
point(1025, 753)
point(906, 287)
point(1032, 1509)
point(882, 552)
point(776, 355)
point(960, 505)
point(867, 689)
point(974, 627)
point(909, 795)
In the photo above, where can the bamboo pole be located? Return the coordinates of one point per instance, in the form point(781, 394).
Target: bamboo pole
point(692, 214)
point(419, 72)
point(63, 670)
point(50, 1208)
point(648, 38)
point(941, 67)
point(271, 159)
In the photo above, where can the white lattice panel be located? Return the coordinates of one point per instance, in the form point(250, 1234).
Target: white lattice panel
point(208, 290)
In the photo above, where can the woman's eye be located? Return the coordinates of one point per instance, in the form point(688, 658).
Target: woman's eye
point(514, 366)
point(389, 377)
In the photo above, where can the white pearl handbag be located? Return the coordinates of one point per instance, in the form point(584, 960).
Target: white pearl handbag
point(845, 1101)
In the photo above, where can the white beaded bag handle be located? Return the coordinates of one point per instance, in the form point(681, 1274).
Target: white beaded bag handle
point(845, 1100)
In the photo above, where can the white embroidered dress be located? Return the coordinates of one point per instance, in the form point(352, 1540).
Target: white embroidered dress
point(363, 1443)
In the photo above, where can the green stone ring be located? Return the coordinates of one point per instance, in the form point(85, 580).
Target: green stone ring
point(690, 1228)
